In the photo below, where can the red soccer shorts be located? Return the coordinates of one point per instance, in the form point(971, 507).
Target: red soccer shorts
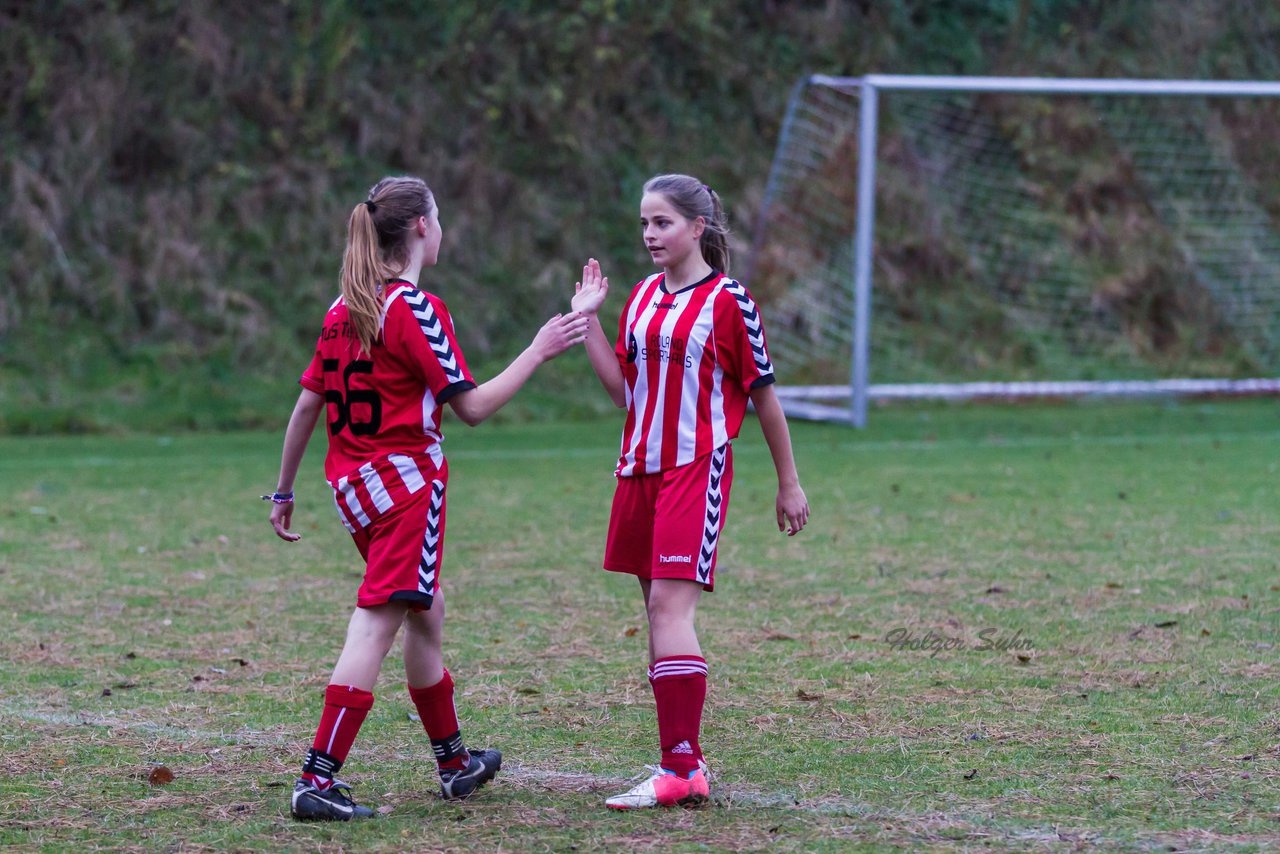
point(403, 549)
point(667, 525)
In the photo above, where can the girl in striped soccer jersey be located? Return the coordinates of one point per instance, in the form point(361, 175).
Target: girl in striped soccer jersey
point(386, 363)
point(690, 353)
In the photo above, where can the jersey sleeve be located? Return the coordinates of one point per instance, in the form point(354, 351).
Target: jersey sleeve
point(620, 345)
point(625, 348)
point(622, 348)
point(420, 331)
point(312, 378)
point(739, 338)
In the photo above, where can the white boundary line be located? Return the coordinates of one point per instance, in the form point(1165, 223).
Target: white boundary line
point(253, 738)
point(725, 796)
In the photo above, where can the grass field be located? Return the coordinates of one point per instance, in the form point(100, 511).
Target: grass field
point(1122, 560)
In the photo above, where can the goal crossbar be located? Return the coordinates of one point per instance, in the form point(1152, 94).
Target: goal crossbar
point(1052, 86)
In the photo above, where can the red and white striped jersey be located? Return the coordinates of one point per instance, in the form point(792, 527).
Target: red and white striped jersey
point(383, 408)
point(689, 361)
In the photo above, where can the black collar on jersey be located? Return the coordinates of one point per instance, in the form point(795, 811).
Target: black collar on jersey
point(400, 282)
point(709, 278)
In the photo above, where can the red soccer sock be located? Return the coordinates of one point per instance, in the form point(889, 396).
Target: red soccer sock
point(440, 720)
point(345, 708)
point(680, 690)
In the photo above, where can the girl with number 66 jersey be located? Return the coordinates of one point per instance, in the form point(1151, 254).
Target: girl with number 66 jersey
point(386, 363)
point(690, 353)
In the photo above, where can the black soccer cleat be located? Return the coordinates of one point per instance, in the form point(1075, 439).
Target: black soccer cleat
point(456, 785)
point(331, 804)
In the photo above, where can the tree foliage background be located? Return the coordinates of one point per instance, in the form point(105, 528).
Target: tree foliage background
point(177, 175)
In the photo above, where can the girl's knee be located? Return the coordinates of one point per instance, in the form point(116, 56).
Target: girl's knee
point(374, 638)
point(667, 612)
point(673, 599)
point(376, 626)
point(424, 626)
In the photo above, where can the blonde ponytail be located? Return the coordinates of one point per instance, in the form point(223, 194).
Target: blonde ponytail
point(377, 249)
point(362, 275)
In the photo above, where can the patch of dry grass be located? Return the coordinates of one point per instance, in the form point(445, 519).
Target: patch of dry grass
point(1145, 713)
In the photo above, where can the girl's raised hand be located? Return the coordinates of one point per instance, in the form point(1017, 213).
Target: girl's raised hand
point(559, 334)
point(589, 294)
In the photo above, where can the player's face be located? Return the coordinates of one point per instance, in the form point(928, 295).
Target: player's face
point(669, 236)
point(431, 239)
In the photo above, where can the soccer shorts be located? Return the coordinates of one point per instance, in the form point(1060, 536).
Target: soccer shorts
point(403, 549)
point(667, 525)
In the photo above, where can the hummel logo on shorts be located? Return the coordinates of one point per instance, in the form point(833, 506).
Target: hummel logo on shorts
point(675, 559)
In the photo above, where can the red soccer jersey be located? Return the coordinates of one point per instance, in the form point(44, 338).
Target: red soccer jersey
point(383, 408)
point(689, 360)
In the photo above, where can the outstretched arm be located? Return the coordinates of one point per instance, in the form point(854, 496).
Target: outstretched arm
point(301, 425)
point(557, 335)
point(589, 295)
point(792, 507)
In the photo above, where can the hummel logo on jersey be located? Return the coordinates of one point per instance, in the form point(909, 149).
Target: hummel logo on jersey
point(682, 747)
point(675, 559)
point(660, 304)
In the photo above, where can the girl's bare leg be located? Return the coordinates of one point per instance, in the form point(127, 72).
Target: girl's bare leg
point(369, 637)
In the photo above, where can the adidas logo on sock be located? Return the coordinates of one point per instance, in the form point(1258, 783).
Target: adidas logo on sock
point(682, 747)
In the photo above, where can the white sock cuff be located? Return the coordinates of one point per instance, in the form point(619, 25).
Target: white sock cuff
point(678, 665)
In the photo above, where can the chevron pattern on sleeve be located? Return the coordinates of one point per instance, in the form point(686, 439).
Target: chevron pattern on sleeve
point(755, 332)
point(433, 328)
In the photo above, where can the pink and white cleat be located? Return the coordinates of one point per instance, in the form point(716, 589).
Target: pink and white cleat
point(664, 789)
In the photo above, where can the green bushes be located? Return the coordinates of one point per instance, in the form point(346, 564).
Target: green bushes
point(177, 175)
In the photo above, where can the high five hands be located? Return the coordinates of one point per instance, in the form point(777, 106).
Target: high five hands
point(589, 294)
point(560, 333)
point(564, 331)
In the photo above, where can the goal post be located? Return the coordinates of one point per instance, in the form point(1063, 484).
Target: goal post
point(1037, 237)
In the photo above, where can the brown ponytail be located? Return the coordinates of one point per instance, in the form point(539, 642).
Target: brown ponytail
point(715, 237)
point(377, 249)
point(693, 199)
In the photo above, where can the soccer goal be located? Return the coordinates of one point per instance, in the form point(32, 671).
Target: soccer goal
point(962, 237)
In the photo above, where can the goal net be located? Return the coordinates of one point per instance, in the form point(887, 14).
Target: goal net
point(1020, 237)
